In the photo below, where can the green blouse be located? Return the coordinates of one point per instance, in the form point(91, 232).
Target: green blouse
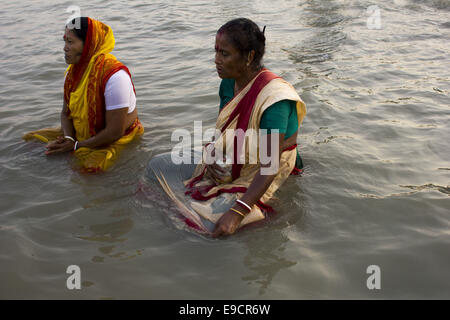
point(282, 115)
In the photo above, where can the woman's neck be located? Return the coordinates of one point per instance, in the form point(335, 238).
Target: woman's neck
point(241, 82)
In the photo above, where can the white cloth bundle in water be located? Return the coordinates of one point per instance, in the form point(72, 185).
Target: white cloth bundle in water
point(204, 214)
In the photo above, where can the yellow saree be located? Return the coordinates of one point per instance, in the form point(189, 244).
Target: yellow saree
point(84, 96)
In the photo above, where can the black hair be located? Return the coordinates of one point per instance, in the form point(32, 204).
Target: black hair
point(246, 36)
point(82, 31)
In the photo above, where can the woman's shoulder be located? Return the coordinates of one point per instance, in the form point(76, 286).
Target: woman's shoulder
point(282, 108)
point(120, 75)
point(227, 84)
point(226, 88)
point(226, 91)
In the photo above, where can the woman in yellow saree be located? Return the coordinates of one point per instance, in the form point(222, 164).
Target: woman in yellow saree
point(99, 114)
point(220, 198)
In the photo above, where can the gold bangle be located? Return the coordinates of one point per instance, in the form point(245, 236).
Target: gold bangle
point(238, 212)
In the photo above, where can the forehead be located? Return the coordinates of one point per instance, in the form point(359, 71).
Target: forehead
point(68, 33)
point(223, 42)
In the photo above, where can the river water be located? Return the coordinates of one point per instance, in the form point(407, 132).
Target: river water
point(375, 143)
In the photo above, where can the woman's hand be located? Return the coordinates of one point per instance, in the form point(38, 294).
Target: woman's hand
point(227, 224)
point(61, 145)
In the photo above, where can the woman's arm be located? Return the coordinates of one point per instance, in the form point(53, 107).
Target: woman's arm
point(117, 120)
point(118, 91)
point(230, 220)
point(116, 124)
point(66, 123)
point(61, 144)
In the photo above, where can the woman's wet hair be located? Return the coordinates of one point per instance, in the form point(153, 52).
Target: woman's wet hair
point(80, 32)
point(246, 36)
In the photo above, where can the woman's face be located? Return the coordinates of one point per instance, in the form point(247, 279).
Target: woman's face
point(230, 64)
point(73, 47)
